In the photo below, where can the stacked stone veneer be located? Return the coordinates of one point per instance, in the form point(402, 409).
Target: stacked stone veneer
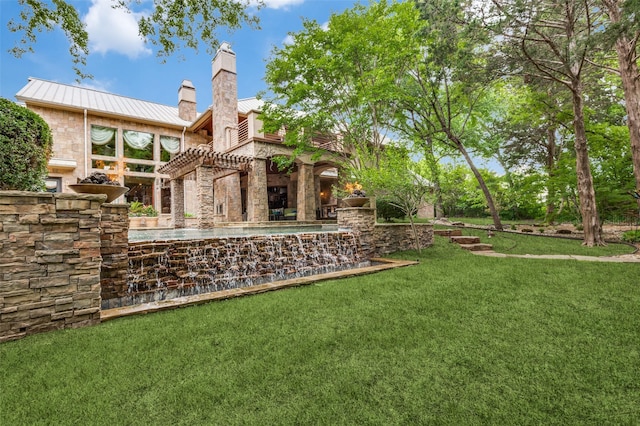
point(49, 262)
point(380, 239)
point(114, 248)
point(167, 269)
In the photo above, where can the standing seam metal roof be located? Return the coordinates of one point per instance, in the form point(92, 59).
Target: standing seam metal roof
point(48, 92)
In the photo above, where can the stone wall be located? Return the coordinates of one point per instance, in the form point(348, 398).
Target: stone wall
point(49, 262)
point(379, 239)
point(392, 237)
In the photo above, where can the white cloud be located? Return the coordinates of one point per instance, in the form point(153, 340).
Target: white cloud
point(113, 29)
point(281, 4)
point(288, 40)
point(99, 85)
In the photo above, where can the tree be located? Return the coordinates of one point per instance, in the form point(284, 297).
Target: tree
point(25, 148)
point(341, 79)
point(171, 25)
point(622, 16)
point(396, 181)
point(446, 86)
point(551, 40)
point(530, 131)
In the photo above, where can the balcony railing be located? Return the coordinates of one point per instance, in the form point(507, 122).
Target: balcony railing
point(328, 142)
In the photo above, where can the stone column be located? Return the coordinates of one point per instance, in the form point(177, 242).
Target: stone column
point(227, 199)
point(177, 203)
point(317, 189)
point(204, 177)
point(306, 196)
point(257, 197)
point(362, 221)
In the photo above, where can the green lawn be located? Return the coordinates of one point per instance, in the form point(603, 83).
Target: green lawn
point(523, 243)
point(458, 339)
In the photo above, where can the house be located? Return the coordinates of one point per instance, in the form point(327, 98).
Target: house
point(215, 165)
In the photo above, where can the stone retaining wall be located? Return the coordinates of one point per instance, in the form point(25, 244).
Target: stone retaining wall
point(379, 239)
point(49, 262)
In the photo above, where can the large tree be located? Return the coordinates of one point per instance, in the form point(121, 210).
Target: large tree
point(551, 40)
point(340, 79)
point(171, 25)
point(445, 90)
point(625, 32)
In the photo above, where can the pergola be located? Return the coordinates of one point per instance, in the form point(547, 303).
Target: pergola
point(209, 166)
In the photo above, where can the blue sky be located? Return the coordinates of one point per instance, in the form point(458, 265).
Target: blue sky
point(122, 64)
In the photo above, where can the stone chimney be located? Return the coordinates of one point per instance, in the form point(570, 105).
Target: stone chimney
point(187, 101)
point(224, 83)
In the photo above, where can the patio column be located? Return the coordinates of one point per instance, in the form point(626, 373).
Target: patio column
point(317, 189)
point(227, 199)
point(204, 178)
point(306, 196)
point(257, 197)
point(177, 203)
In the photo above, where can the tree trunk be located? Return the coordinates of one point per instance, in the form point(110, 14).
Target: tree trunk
point(435, 176)
point(439, 203)
point(483, 186)
point(630, 77)
point(550, 166)
point(590, 221)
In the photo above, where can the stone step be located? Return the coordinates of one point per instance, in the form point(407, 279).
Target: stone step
point(448, 232)
point(477, 247)
point(464, 239)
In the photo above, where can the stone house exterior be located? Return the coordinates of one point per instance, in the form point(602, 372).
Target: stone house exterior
point(177, 159)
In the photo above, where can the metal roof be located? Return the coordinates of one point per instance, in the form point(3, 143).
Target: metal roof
point(76, 97)
point(245, 106)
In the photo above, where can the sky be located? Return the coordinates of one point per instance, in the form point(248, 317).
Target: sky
point(122, 64)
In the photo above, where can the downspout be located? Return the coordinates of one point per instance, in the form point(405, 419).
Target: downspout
point(86, 170)
point(184, 129)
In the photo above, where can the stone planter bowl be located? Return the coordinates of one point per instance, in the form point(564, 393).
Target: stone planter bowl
point(355, 201)
point(112, 191)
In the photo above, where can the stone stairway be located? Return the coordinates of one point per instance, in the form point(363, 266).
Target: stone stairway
point(466, 242)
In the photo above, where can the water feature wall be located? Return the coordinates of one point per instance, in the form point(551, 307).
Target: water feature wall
point(162, 270)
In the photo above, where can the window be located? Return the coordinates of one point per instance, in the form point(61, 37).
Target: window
point(53, 184)
point(169, 145)
point(138, 145)
point(103, 141)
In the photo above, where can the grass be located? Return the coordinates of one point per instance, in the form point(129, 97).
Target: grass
point(457, 339)
point(512, 243)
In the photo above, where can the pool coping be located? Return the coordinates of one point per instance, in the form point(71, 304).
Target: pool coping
point(381, 264)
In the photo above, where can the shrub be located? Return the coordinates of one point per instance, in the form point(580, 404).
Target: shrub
point(136, 208)
point(25, 148)
point(631, 236)
point(388, 211)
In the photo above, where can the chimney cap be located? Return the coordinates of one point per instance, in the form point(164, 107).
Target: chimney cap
point(225, 47)
point(188, 84)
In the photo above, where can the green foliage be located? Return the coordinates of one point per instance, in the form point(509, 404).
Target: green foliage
point(171, 25)
point(631, 236)
point(25, 148)
point(341, 78)
point(388, 211)
point(136, 208)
